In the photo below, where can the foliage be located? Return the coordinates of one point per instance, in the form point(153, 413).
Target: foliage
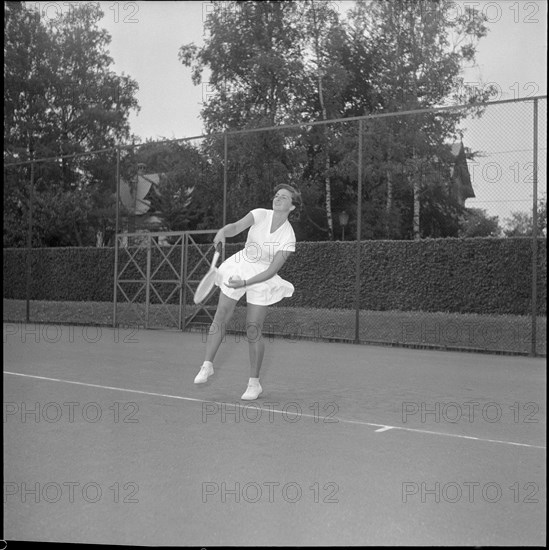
point(269, 64)
point(477, 223)
point(480, 275)
point(179, 198)
point(61, 99)
point(521, 224)
point(279, 62)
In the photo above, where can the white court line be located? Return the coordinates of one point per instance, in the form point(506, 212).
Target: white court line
point(382, 427)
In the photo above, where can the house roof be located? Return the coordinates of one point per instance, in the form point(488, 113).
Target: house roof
point(134, 199)
point(461, 169)
point(456, 148)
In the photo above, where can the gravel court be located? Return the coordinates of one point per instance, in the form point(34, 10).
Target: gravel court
point(205, 470)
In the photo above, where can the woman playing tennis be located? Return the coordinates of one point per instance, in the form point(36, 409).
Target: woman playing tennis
point(253, 272)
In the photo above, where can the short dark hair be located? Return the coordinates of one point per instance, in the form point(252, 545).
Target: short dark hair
point(296, 195)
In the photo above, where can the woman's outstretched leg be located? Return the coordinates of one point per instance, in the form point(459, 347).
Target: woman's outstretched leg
point(216, 333)
point(255, 318)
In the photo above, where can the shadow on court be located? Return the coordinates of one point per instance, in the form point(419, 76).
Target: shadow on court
point(107, 440)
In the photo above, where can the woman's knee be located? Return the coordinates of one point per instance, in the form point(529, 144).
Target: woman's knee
point(223, 314)
point(220, 321)
point(224, 311)
point(254, 331)
point(254, 323)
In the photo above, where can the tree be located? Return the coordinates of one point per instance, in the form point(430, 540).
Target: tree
point(323, 26)
point(60, 95)
point(254, 56)
point(25, 80)
point(280, 62)
point(185, 188)
point(253, 53)
point(477, 223)
point(521, 224)
point(417, 54)
point(62, 98)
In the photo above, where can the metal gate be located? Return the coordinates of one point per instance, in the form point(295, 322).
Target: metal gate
point(155, 276)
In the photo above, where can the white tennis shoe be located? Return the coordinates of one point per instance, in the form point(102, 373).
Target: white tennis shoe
point(253, 391)
point(205, 372)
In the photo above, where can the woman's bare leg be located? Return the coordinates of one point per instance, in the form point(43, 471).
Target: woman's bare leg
point(218, 328)
point(255, 317)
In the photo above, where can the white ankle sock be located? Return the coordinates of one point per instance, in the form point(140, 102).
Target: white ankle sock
point(254, 381)
point(207, 363)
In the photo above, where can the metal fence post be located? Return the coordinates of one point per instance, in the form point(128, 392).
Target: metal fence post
point(225, 156)
point(181, 283)
point(358, 235)
point(29, 241)
point(148, 282)
point(184, 262)
point(535, 233)
point(116, 236)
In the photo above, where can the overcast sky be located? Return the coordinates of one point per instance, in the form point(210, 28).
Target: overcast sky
point(146, 37)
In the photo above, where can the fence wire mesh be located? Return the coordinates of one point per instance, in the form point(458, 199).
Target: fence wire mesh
point(398, 212)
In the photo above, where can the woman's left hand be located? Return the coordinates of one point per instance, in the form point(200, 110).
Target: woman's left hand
point(235, 282)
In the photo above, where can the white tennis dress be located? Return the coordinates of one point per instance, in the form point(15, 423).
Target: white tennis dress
point(260, 250)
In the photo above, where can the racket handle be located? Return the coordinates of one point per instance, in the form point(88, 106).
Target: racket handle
point(218, 248)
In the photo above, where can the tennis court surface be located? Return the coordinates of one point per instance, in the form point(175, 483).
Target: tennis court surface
point(108, 441)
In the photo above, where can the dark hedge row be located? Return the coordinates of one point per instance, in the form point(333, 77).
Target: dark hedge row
point(450, 275)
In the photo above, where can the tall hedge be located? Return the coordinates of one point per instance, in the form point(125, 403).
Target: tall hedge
point(451, 275)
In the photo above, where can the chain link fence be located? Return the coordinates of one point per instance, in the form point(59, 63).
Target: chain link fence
point(422, 229)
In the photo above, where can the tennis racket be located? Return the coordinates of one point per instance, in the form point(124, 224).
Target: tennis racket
point(206, 285)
